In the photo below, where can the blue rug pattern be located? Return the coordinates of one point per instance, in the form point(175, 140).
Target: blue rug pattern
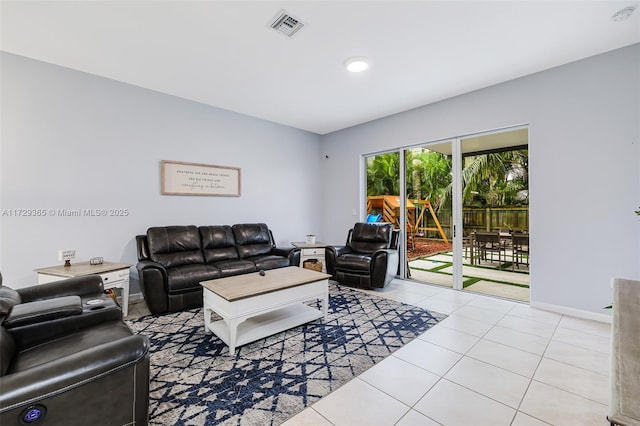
point(194, 381)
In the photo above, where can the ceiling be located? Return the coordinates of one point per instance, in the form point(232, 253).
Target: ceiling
point(223, 53)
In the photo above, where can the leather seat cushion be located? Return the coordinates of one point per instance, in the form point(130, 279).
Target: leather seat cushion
point(270, 262)
point(234, 267)
point(354, 262)
point(188, 277)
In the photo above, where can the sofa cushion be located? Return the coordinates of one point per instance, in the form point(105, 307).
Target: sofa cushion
point(173, 246)
point(369, 237)
point(267, 262)
point(354, 262)
point(218, 243)
point(252, 239)
point(235, 267)
point(188, 277)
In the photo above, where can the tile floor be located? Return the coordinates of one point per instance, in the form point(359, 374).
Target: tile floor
point(491, 362)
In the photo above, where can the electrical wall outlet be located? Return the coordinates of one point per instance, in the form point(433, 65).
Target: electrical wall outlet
point(67, 254)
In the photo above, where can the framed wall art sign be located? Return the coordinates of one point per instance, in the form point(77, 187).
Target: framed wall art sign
point(179, 178)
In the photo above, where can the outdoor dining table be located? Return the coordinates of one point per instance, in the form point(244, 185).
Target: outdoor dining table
point(505, 237)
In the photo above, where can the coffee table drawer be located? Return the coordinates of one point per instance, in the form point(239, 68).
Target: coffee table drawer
point(313, 252)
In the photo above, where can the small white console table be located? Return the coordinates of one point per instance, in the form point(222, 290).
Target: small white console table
point(114, 275)
point(311, 251)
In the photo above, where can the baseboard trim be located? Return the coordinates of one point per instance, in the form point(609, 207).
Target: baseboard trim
point(573, 312)
point(135, 297)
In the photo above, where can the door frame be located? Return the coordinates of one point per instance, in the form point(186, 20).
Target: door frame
point(456, 152)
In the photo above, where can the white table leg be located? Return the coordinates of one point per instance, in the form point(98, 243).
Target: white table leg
point(207, 320)
point(125, 296)
point(232, 325)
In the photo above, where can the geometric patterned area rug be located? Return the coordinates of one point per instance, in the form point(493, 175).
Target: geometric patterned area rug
point(194, 380)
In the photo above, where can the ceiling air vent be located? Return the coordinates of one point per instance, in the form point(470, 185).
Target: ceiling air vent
point(286, 24)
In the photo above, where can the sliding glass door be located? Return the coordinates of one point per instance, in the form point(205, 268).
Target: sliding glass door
point(495, 206)
point(428, 213)
point(463, 211)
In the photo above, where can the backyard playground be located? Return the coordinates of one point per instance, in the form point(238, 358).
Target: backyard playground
point(429, 250)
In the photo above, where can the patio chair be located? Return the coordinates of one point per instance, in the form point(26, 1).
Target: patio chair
point(467, 247)
point(520, 249)
point(488, 242)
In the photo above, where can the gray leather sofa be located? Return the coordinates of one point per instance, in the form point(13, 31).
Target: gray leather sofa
point(173, 260)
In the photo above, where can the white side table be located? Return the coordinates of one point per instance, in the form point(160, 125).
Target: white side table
point(114, 275)
point(311, 251)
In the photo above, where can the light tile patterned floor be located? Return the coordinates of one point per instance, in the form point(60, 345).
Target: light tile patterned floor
point(491, 362)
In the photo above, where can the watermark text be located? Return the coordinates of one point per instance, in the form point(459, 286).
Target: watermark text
point(58, 212)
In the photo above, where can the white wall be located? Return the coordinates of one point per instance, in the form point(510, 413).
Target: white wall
point(71, 140)
point(584, 152)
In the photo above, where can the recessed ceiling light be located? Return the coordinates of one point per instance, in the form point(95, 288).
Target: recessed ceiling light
point(357, 64)
point(623, 14)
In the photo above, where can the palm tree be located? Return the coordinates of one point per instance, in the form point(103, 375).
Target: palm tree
point(496, 179)
point(431, 175)
point(383, 173)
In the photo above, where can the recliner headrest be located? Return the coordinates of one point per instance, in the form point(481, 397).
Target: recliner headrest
point(369, 237)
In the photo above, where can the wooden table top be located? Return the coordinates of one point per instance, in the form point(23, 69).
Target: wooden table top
point(248, 285)
point(80, 269)
point(303, 245)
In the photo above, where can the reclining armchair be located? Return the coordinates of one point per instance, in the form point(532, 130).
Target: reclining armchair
point(55, 308)
point(66, 357)
point(369, 258)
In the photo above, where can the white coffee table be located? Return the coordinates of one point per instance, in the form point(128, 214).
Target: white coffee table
point(253, 306)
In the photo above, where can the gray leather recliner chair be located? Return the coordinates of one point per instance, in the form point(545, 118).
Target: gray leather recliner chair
point(369, 258)
point(64, 363)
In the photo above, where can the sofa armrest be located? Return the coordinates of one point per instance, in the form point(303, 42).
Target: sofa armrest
point(34, 333)
point(384, 266)
point(42, 311)
point(292, 253)
point(142, 247)
point(44, 381)
point(154, 285)
point(85, 286)
point(331, 253)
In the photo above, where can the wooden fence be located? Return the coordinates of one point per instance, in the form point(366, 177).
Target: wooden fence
point(480, 219)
